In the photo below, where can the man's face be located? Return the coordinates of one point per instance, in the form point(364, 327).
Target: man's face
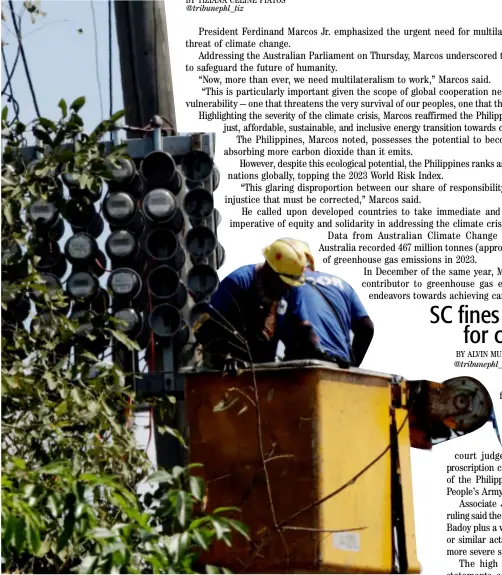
point(273, 286)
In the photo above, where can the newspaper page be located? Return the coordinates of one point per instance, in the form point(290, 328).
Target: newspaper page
point(370, 130)
point(373, 132)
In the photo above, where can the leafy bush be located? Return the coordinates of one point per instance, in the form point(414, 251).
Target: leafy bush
point(78, 494)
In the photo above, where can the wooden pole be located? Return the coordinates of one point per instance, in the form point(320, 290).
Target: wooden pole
point(148, 91)
point(144, 61)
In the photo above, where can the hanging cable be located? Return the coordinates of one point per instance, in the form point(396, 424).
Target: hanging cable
point(23, 56)
point(11, 73)
point(110, 54)
point(8, 86)
point(96, 57)
point(150, 428)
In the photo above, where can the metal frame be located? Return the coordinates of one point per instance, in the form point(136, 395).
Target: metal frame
point(140, 147)
point(166, 379)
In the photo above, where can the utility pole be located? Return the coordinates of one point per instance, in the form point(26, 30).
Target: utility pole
point(144, 61)
point(148, 91)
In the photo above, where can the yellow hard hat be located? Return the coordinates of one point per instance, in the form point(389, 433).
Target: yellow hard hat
point(304, 247)
point(284, 257)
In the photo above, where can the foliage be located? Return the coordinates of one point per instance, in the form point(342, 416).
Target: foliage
point(71, 470)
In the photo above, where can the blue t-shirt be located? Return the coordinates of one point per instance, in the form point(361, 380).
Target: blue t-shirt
point(236, 300)
point(334, 338)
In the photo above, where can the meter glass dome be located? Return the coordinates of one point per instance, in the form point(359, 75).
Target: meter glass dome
point(120, 245)
point(159, 205)
point(124, 282)
point(80, 247)
point(82, 285)
point(119, 207)
point(42, 212)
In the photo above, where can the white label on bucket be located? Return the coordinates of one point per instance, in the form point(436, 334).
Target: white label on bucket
point(347, 541)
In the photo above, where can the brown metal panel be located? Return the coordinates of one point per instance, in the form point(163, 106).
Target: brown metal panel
point(226, 442)
point(321, 426)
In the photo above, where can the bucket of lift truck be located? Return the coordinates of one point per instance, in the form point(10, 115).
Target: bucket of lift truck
point(336, 496)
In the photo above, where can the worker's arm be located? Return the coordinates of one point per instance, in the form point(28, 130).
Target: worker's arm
point(219, 330)
point(233, 324)
point(297, 334)
point(363, 329)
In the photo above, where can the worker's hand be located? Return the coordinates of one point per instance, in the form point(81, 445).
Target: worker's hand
point(305, 344)
point(234, 367)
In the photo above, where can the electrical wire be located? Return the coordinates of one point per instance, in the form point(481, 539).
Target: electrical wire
point(110, 55)
point(150, 428)
point(11, 73)
point(96, 57)
point(8, 86)
point(98, 263)
point(23, 56)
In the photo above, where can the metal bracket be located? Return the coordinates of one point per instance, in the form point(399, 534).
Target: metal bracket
point(158, 383)
point(138, 148)
point(398, 391)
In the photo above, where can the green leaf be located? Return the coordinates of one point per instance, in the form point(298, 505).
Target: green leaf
point(225, 404)
point(220, 528)
point(122, 337)
point(182, 507)
point(212, 569)
point(177, 471)
point(175, 433)
point(5, 113)
point(90, 356)
point(226, 510)
point(19, 128)
point(7, 211)
point(47, 124)
point(28, 490)
point(81, 507)
point(69, 524)
point(45, 547)
point(174, 546)
point(51, 382)
point(184, 542)
point(76, 395)
point(118, 549)
point(82, 180)
point(64, 107)
point(102, 533)
point(54, 468)
point(33, 538)
point(19, 536)
point(8, 527)
point(117, 116)
point(77, 104)
point(66, 154)
point(239, 527)
point(161, 476)
point(200, 540)
point(196, 487)
point(43, 136)
point(52, 504)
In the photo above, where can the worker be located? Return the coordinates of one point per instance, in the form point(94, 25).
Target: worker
point(333, 309)
point(241, 322)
